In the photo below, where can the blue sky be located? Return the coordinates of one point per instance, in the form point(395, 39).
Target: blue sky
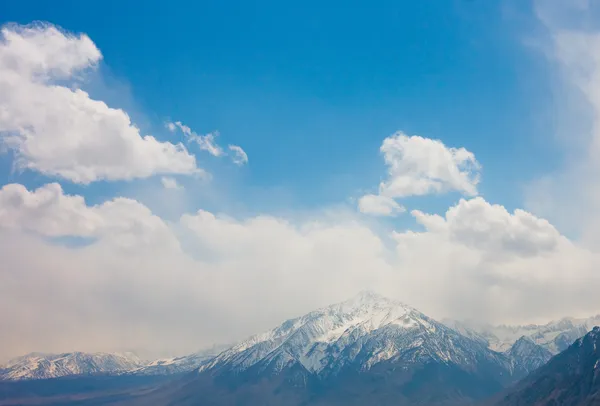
point(310, 91)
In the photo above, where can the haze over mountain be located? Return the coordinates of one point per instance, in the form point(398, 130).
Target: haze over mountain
point(555, 336)
point(311, 341)
point(366, 349)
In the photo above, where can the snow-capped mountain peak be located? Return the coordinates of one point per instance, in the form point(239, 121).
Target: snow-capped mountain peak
point(364, 330)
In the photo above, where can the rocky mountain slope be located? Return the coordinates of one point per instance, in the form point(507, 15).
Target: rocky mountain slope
point(571, 378)
point(526, 356)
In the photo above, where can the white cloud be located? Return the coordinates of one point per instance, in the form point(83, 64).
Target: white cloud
point(49, 212)
point(239, 155)
point(420, 166)
point(143, 299)
point(205, 142)
point(170, 183)
point(239, 276)
point(480, 261)
point(59, 130)
point(570, 196)
point(491, 228)
point(379, 205)
point(171, 126)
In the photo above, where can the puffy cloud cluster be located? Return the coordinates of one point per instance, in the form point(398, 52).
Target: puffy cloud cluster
point(143, 282)
point(481, 261)
point(419, 166)
point(491, 228)
point(47, 211)
point(57, 129)
point(206, 278)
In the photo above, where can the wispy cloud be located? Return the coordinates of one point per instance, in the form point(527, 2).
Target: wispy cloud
point(206, 142)
point(239, 155)
point(379, 205)
point(170, 183)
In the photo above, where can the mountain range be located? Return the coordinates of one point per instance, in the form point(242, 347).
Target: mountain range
point(366, 350)
point(44, 366)
point(555, 336)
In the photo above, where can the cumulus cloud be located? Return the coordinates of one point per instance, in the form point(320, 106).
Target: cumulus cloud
point(491, 228)
point(222, 286)
point(419, 166)
point(47, 211)
point(239, 155)
point(170, 183)
point(379, 205)
point(59, 130)
point(481, 261)
point(210, 277)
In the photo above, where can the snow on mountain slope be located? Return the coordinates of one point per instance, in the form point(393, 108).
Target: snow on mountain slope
point(175, 365)
point(527, 356)
point(358, 333)
point(168, 366)
point(555, 336)
point(42, 366)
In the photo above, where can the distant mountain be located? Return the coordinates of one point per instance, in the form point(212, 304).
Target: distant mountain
point(555, 336)
point(527, 356)
point(571, 378)
point(43, 366)
point(367, 350)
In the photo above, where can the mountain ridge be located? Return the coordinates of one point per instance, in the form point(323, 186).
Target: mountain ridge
point(570, 378)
